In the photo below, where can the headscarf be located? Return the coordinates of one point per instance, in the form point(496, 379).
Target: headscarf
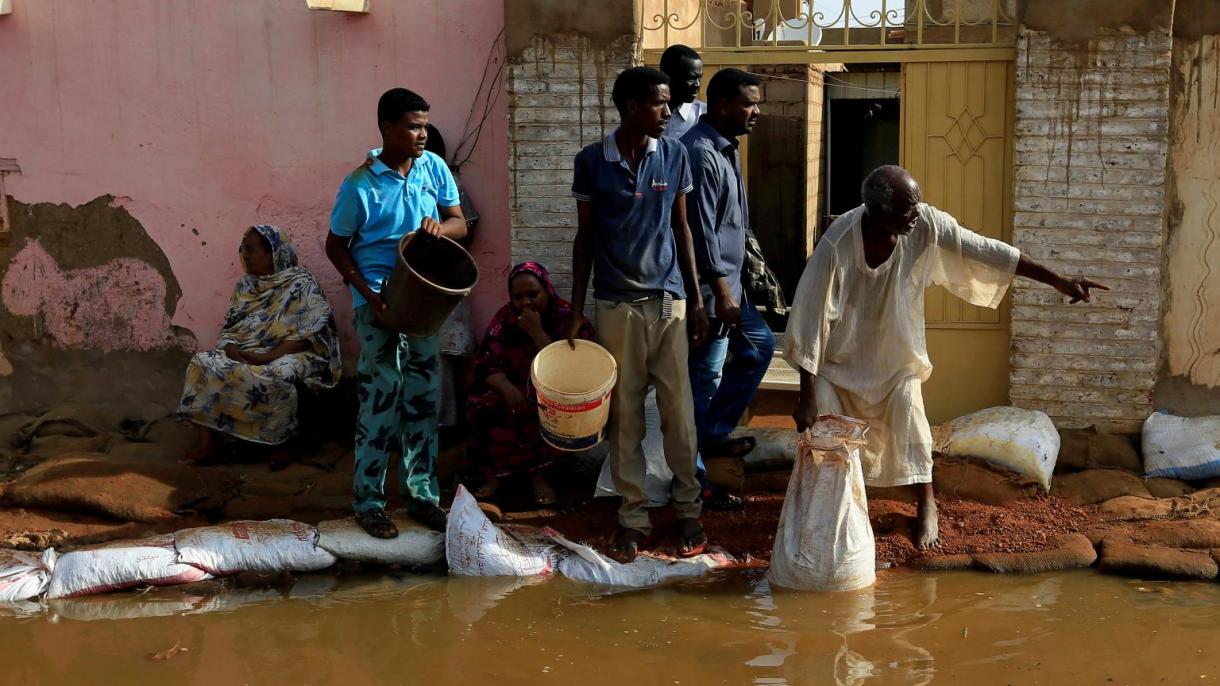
point(287, 304)
point(509, 350)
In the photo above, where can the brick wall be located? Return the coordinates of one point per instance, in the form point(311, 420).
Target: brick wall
point(558, 102)
point(1091, 143)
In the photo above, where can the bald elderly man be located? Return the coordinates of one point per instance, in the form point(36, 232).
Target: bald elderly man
point(856, 332)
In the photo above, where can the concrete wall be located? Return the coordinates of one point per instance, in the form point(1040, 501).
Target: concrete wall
point(151, 133)
point(562, 66)
point(1092, 119)
point(1189, 380)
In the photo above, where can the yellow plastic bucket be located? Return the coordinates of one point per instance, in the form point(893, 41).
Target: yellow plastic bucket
point(573, 388)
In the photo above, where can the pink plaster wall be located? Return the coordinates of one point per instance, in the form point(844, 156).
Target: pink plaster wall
point(207, 117)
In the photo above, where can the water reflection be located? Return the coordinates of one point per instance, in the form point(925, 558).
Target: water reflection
point(389, 627)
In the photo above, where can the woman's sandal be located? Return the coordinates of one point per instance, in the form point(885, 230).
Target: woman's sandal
point(627, 544)
point(694, 540)
point(544, 493)
point(377, 523)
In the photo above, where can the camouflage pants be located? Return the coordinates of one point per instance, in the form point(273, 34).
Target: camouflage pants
point(398, 387)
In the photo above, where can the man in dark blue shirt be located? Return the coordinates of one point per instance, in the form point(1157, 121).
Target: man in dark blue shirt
point(630, 191)
point(719, 217)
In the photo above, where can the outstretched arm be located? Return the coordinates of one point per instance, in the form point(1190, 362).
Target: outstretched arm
point(1075, 288)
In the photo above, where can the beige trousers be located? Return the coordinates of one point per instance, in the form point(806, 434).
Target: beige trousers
point(649, 350)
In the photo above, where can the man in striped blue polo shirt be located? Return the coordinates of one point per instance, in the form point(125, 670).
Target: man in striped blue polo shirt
point(630, 190)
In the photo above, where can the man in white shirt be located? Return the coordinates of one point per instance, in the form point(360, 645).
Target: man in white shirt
point(856, 329)
point(684, 68)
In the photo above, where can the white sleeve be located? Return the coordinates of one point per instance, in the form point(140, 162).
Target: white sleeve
point(973, 267)
point(813, 309)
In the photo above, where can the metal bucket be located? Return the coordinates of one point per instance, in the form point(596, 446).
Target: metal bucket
point(431, 276)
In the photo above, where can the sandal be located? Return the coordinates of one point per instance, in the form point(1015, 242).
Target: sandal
point(429, 514)
point(627, 544)
point(721, 500)
point(544, 493)
point(377, 523)
point(694, 540)
point(738, 447)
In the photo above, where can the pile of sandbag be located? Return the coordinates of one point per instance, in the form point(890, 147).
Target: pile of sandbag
point(199, 554)
point(473, 546)
point(477, 547)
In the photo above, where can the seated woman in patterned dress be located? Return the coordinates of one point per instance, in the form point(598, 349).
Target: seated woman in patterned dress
point(278, 333)
point(500, 409)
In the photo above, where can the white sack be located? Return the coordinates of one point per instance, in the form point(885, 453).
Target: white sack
point(24, 575)
point(824, 541)
point(415, 546)
point(657, 477)
point(1022, 441)
point(118, 565)
point(276, 545)
point(582, 563)
point(475, 546)
point(1186, 448)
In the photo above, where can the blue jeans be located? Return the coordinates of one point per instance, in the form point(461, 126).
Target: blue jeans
point(723, 389)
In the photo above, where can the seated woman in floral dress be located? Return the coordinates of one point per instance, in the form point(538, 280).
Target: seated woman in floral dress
point(500, 410)
point(278, 333)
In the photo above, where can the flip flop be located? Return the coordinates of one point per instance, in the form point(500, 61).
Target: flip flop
point(693, 538)
point(544, 493)
point(377, 523)
point(627, 544)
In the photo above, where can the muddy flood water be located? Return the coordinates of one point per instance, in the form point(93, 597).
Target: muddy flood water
point(362, 628)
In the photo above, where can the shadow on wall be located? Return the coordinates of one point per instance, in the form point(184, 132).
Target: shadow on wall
point(86, 299)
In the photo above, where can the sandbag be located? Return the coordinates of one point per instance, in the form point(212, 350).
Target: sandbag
point(582, 563)
point(276, 545)
point(415, 546)
point(1021, 441)
point(1185, 448)
point(121, 564)
point(128, 490)
point(476, 547)
point(824, 541)
point(23, 574)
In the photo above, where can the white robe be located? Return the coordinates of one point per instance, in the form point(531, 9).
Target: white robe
point(860, 331)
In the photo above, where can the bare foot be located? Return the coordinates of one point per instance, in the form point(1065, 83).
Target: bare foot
point(208, 451)
point(927, 526)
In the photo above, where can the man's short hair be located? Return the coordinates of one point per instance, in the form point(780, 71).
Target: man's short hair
point(877, 191)
point(636, 84)
point(398, 101)
point(727, 83)
point(673, 56)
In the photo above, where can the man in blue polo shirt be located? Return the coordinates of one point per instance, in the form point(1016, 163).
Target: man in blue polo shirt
point(400, 189)
point(632, 233)
point(719, 217)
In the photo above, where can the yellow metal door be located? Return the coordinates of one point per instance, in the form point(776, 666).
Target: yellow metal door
point(957, 142)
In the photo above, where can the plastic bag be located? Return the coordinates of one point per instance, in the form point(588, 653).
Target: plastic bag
point(475, 546)
point(824, 541)
point(1186, 448)
point(415, 545)
point(118, 565)
point(1022, 441)
point(24, 575)
point(582, 563)
point(276, 545)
